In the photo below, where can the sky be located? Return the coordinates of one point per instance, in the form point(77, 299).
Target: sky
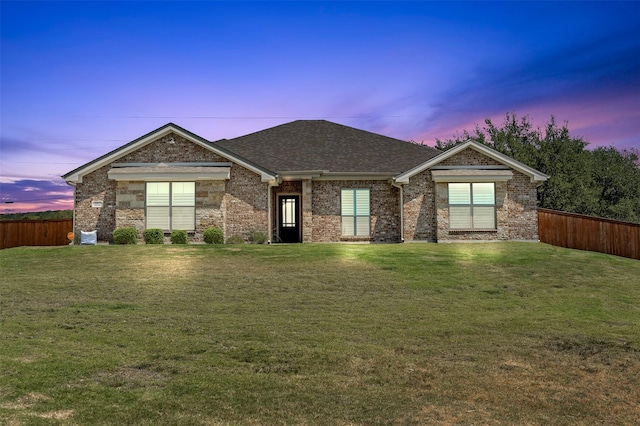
point(81, 78)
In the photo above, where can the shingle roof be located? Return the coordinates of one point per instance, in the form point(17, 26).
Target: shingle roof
point(304, 145)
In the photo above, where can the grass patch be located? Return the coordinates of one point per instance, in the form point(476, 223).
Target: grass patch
point(498, 333)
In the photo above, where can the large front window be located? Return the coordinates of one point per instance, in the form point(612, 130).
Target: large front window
point(472, 206)
point(171, 205)
point(355, 212)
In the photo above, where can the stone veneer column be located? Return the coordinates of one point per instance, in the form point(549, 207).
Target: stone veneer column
point(130, 205)
point(307, 212)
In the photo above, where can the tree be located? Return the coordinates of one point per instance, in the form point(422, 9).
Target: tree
point(603, 182)
point(49, 214)
point(617, 178)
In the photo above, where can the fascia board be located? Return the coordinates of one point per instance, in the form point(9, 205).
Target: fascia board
point(535, 175)
point(301, 174)
point(325, 175)
point(75, 176)
point(354, 176)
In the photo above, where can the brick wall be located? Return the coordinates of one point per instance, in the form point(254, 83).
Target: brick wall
point(96, 187)
point(516, 204)
point(245, 203)
point(385, 212)
point(426, 211)
point(238, 205)
point(470, 157)
point(285, 188)
point(419, 208)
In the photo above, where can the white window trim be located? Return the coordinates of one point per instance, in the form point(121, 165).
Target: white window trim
point(355, 216)
point(471, 206)
point(170, 206)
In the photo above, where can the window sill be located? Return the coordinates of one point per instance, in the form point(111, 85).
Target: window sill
point(460, 231)
point(355, 238)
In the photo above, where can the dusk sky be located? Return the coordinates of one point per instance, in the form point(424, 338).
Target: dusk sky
point(79, 79)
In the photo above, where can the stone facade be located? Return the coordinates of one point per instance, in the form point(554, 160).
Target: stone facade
point(307, 211)
point(245, 203)
point(426, 205)
point(238, 206)
point(516, 205)
point(95, 204)
point(130, 206)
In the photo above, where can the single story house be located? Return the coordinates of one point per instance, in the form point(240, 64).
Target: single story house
point(307, 181)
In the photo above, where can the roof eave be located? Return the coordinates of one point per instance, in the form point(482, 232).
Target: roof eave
point(535, 175)
point(76, 175)
point(329, 175)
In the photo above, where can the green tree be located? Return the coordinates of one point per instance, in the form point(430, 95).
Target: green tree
point(567, 163)
point(603, 182)
point(50, 214)
point(617, 178)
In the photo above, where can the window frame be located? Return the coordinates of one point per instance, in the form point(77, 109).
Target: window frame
point(172, 204)
point(358, 220)
point(472, 206)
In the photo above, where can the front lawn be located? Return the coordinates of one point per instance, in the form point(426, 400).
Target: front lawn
point(500, 333)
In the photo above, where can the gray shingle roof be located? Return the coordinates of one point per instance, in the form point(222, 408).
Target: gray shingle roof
point(322, 145)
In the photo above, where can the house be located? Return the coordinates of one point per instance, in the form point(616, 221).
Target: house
point(307, 181)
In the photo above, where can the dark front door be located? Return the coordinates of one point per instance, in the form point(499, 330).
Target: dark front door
point(289, 218)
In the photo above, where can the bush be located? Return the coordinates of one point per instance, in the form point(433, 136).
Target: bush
point(213, 236)
point(257, 237)
point(179, 236)
point(125, 236)
point(153, 236)
point(236, 239)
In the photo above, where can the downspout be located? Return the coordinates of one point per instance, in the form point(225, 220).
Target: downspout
point(272, 183)
point(400, 187)
point(269, 230)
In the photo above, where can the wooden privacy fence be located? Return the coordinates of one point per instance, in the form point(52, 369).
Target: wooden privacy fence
point(16, 233)
point(589, 233)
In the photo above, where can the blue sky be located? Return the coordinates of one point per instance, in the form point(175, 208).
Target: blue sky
point(78, 79)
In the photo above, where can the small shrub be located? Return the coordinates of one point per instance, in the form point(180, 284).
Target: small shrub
point(235, 239)
point(213, 236)
point(125, 236)
point(179, 236)
point(257, 237)
point(153, 236)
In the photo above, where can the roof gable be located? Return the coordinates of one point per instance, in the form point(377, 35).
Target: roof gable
point(535, 175)
point(75, 176)
point(323, 146)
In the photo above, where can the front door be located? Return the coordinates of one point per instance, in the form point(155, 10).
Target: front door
point(289, 218)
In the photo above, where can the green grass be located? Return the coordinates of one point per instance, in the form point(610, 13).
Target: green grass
point(501, 333)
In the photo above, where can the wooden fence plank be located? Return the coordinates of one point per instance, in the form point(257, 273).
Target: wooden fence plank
point(591, 233)
point(52, 232)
